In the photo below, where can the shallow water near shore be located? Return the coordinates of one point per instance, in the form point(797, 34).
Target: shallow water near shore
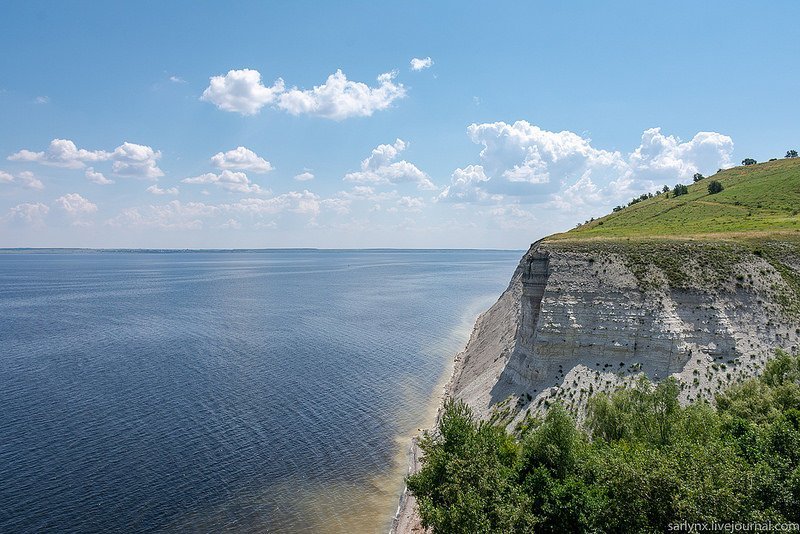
point(239, 391)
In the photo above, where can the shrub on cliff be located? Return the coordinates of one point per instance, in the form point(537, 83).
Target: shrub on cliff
point(641, 463)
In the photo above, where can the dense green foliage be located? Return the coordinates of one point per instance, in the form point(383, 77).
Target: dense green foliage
point(714, 187)
point(679, 190)
point(640, 462)
point(762, 198)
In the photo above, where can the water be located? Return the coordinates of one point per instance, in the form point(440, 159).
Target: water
point(239, 391)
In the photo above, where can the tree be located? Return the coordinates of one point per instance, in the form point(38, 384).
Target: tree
point(749, 161)
point(665, 189)
point(791, 153)
point(679, 190)
point(697, 177)
point(714, 187)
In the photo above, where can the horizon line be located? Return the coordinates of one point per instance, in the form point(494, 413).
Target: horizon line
point(265, 249)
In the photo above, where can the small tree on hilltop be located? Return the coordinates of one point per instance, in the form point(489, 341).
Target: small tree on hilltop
point(714, 187)
point(791, 153)
point(698, 177)
point(665, 189)
point(749, 161)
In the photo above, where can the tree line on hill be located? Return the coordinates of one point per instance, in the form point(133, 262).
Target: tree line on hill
point(640, 463)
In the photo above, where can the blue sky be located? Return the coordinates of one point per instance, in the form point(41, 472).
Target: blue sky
point(529, 117)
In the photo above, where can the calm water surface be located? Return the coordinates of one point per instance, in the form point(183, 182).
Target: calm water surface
point(268, 391)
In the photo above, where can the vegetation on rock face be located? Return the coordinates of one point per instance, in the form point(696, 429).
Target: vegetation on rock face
point(641, 463)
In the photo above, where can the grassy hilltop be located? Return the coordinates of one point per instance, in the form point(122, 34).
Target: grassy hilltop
point(757, 200)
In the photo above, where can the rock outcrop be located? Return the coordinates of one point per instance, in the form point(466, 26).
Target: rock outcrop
point(578, 318)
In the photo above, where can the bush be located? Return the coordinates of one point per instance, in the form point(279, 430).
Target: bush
point(749, 161)
point(679, 190)
point(643, 461)
point(714, 187)
point(791, 153)
point(697, 177)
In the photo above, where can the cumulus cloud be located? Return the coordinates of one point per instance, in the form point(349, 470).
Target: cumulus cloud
point(155, 190)
point(421, 63)
point(75, 205)
point(298, 202)
point(465, 186)
point(173, 215)
point(228, 180)
point(304, 176)
point(129, 159)
point(29, 180)
point(97, 177)
point(28, 213)
point(381, 168)
point(339, 98)
point(525, 163)
point(241, 91)
point(411, 203)
point(25, 178)
point(241, 159)
point(62, 153)
point(136, 161)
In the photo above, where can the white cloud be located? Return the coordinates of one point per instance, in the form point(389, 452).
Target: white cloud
point(523, 163)
point(25, 178)
point(411, 203)
point(29, 180)
point(465, 186)
point(228, 180)
point(75, 205)
point(666, 158)
point(129, 159)
point(97, 177)
point(241, 91)
point(339, 98)
point(28, 213)
point(154, 189)
point(380, 168)
point(137, 161)
point(241, 159)
point(62, 153)
point(298, 202)
point(231, 224)
point(421, 63)
point(176, 79)
point(304, 176)
point(173, 215)
point(42, 100)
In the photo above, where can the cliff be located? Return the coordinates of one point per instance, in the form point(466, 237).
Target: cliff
point(698, 286)
point(581, 317)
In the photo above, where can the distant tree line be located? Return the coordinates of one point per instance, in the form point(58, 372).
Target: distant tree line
point(640, 463)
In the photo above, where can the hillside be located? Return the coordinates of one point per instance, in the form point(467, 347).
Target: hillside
point(762, 199)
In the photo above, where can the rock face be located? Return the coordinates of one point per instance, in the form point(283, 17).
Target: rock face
point(577, 319)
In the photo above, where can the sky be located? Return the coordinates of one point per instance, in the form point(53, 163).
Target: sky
point(374, 124)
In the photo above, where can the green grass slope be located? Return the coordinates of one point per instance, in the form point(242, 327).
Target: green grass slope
point(759, 201)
